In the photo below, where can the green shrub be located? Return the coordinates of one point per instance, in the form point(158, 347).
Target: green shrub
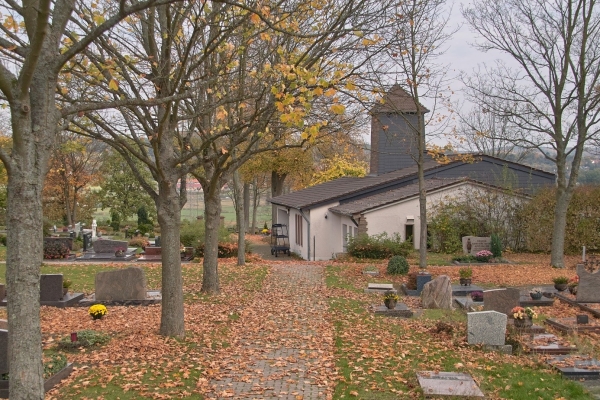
point(56, 362)
point(397, 266)
point(378, 246)
point(55, 250)
point(145, 228)
point(465, 258)
point(85, 338)
point(3, 240)
point(140, 242)
point(496, 246)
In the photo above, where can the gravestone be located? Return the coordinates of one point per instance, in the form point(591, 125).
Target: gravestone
point(151, 253)
point(2, 291)
point(437, 293)
point(474, 244)
point(3, 351)
point(94, 228)
point(121, 285)
point(380, 288)
point(87, 241)
point(51, 287)
point(501, 300)
point(157, 241)
point(109, 246)
point(587, 290)
point(77, 229)
point(448, 384)
point(486, 327)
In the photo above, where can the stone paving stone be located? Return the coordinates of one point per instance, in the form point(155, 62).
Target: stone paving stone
point(286, 350)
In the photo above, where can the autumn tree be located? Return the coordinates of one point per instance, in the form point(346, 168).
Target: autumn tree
point(480, 131)
point(37, 39)
point(414, 43)
point(219, 72)
point(74, 167)
point(120, 191)
point(547, 91)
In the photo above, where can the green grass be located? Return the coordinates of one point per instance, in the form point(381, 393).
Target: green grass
point(378, 357)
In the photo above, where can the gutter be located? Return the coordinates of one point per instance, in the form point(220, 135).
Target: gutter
point(308, 231)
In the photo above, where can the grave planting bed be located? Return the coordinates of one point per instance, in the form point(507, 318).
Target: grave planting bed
point(549, 344)
point(576, 367)
point(570, 325)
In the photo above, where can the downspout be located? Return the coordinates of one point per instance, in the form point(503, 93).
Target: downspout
point(308, 233)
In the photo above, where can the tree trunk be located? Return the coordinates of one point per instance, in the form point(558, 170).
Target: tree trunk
point(276, 190)
point(255, 203)
point(212, 213)
point(168, 209)
point(563, 197)
point(240, 216)
point(23, 262)
point(247, 208)
point(33, 133)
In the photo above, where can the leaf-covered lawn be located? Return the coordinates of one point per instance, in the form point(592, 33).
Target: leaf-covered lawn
point(375, 357)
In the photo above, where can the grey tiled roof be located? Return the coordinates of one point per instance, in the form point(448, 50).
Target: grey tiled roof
point(343, 186)
point(397, 100)
point(392, 196)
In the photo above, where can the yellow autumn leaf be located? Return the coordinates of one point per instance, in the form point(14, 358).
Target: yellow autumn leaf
point(338, 109)
point(330, 92)
point(98, 18)
point(318, 91)
point(255, 19)
point(113, 84)
point(350, 86)
point(221, 114)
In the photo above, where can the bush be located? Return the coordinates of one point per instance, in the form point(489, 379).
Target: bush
point(378, 246)
point(85, 338)
point(140, 242)
point(496, 246)
point(55, 363)
point(226, 250)
point(397, 266)
point(3, 240)
point(55, 250)
point(145, 228)
point(464, 259)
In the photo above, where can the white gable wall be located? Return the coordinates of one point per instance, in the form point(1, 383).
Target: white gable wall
point(392, 218)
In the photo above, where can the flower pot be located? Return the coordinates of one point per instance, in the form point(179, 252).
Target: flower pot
point(119, 254)
point(523, 323)
point(561, 287)
point(465, 281)
point(573, 289)
point(65, 291)
point(97, 316)
point(390, 303)
point(535, 296)
point(477, 298)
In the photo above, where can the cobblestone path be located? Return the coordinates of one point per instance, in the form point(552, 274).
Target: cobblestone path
point(283, 345)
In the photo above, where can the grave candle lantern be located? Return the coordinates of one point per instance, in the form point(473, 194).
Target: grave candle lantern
point(73, 336)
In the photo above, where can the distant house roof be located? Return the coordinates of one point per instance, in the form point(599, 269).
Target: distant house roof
point(397, 100)
point(405, 192)
point(342, 187)
point(348, 188)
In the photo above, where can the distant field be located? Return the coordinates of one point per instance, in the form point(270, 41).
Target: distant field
point(195, 207)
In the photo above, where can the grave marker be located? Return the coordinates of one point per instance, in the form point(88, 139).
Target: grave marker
point(589, 282)
point(448, 384)
point(51, 287)
point(501, 300)
point(486, 327)
point(474, 244)
point(121, 285)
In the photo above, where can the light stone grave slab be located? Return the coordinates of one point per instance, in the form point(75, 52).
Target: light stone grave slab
point(448, 384)
point(401, 310)
point(121, 285)
point(501, 300)
point(587, 291)
point(486, 327)
point(380, 288)
point(477, 244)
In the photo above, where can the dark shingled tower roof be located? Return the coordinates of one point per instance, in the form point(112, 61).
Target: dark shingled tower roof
point(397, 100)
